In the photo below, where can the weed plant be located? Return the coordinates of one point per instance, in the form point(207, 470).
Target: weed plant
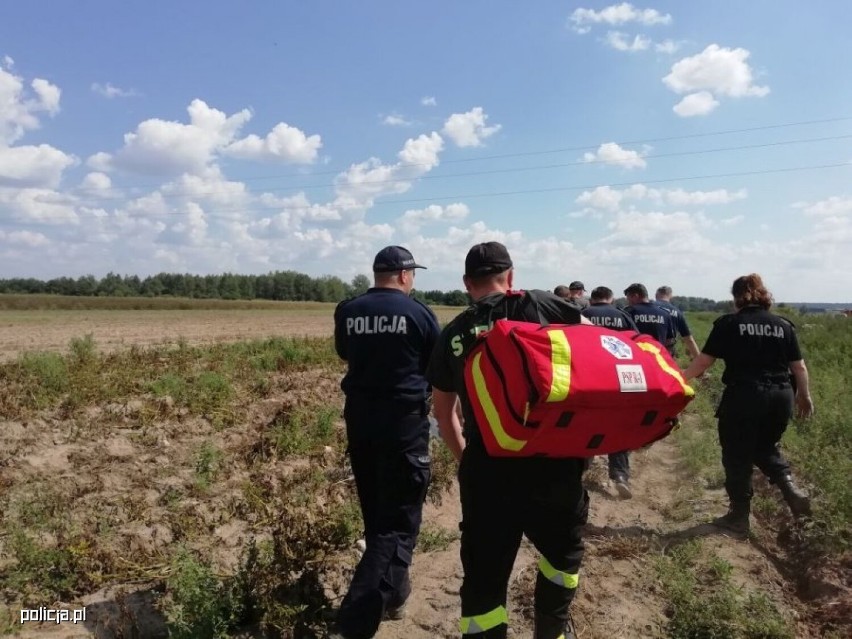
point(704, 603)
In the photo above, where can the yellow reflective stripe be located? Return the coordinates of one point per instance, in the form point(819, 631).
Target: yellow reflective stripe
point(481, 623)
point(506, 441)
point(564, 579)
point(560, 360)
point(650, 348)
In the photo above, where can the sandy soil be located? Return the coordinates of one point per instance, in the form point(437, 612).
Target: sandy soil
point(114, 329)
point(114, 466)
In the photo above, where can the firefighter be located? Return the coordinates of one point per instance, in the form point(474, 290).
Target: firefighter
point(760, 350)
point(385, 336)
point(502, 498)
point(604, 313)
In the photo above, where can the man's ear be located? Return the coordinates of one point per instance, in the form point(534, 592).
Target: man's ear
point(510, 278)
point(466, 282)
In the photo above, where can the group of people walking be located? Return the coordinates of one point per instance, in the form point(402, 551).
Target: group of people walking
point(398, 358)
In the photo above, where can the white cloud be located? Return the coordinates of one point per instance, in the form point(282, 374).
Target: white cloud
point(40, 165)
point(100, 161)
point(719, 70)
point(8, 62)
point(160, 147)
point(18, 110)
point(25, 238)
point(617, 14)
point(428, 100)
point(109, 91)
point(361, 183)
point(700, 103)
point(667, 46)
point(831, 207)
point(283, 144)
point(612, 153)
point(43, 206)
point(395, 119)
point(96, 182)
point(413, 219)
point(610, 199)
point(620, 42)
point(732, 221)
point(468, 129)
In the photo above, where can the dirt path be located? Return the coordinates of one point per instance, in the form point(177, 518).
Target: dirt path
point(618, 595)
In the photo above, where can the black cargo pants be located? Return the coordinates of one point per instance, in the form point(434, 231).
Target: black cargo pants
point(389, 451)
point(752, 418)
point(502, 500)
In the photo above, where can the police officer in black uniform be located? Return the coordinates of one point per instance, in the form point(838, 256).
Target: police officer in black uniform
point(386, 337)
point(505, 498)
point(649, 317)
point(760, 350)
point(602, 312)
point(679, 325)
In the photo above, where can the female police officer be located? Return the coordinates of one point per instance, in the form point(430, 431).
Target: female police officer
point(760, 350)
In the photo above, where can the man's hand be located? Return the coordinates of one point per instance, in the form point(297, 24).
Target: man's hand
point(804, 406)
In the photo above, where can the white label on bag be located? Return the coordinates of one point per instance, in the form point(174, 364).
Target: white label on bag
point(631, 378)
point(616, 347)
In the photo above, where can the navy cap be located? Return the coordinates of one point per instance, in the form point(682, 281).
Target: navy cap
point(394, 258)
point(487, 258)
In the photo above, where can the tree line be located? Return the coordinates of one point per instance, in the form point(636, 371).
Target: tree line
point(278, 285)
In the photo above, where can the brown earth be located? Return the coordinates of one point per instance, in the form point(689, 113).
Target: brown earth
point(115, 329)
point(131, 471)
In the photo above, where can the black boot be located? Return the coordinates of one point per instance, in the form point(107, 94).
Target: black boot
point(547, 627)
point(736, 520)
point(796, 498)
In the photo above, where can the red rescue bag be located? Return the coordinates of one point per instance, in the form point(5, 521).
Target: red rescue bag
point(571, 390)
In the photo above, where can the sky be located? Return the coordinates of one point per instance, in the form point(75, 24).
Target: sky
point(677, 143)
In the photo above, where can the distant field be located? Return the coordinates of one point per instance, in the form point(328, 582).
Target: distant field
point(48, 322)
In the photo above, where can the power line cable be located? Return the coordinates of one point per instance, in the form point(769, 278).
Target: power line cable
point(233, 213)
point(178, 194)
point(547, 151)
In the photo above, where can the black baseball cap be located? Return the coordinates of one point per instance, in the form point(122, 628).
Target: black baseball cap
point(576, 285)
point(394, 258)
point(487, 258)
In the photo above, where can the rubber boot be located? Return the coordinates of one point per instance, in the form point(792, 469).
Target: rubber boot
point(546, 627)
point(736, 520)
point(796, 498)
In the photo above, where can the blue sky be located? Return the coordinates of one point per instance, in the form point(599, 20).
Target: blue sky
point(678, 143)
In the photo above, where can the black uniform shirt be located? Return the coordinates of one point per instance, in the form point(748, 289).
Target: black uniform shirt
point(609, 316)
point(680, 327)
point(386, 337)
point(756, 345)
point(651, 320)
point(446, 367)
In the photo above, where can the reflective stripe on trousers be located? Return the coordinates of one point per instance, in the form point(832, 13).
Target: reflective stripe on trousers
point(560, 578)
point(480, 623)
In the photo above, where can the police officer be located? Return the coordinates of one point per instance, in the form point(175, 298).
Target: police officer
point(759, 349)
point(386, 337)
point(664, 301)
point(602, 312)
point(651, 320)
point(649, 317)
point(503, 498)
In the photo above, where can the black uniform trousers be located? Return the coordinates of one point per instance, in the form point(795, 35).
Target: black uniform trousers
point(752, 418)
point(389, 451)
point(503, 499)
